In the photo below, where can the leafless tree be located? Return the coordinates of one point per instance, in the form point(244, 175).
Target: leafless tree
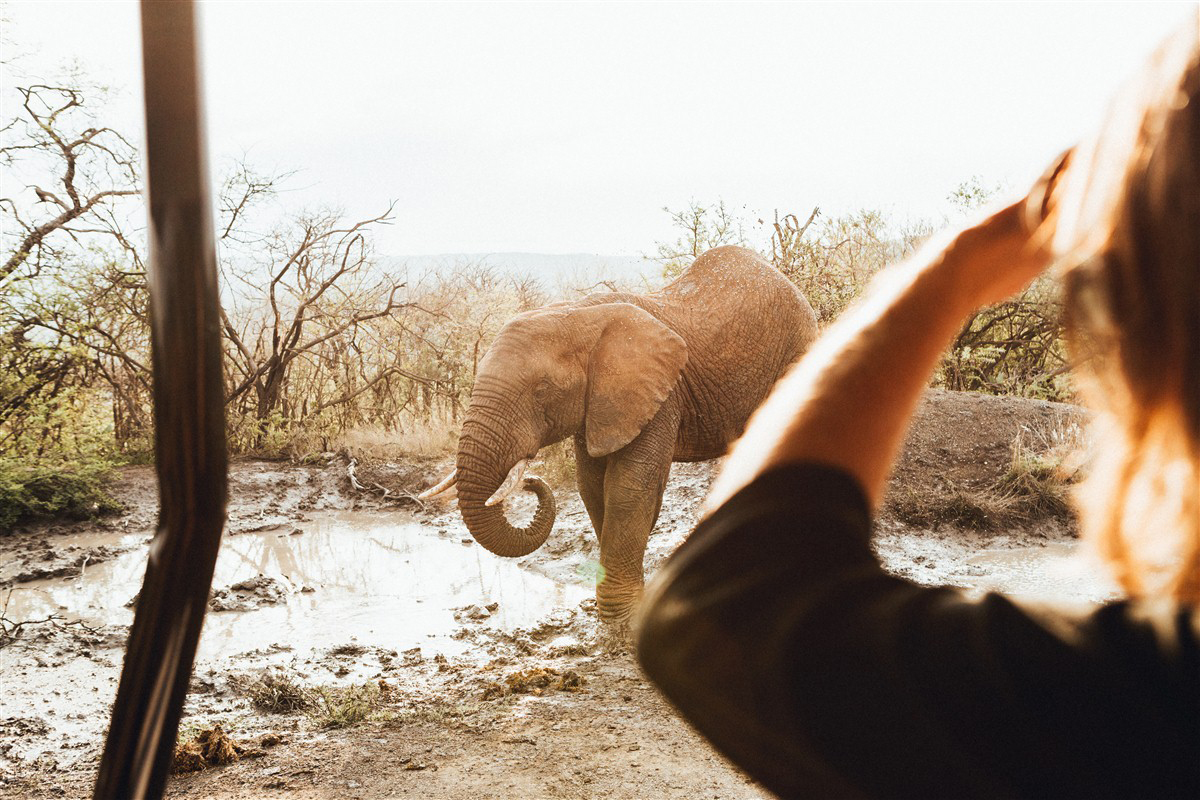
point(92, 168)
point(320, 289)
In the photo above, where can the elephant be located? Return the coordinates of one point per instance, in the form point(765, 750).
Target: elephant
point(639, 381)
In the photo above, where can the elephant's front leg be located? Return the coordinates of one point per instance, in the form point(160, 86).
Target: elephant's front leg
point(634, 481)
point(589, 477)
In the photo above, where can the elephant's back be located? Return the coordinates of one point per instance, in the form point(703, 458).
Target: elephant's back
point(747, 323)
point(743, 277)
point(746, 298)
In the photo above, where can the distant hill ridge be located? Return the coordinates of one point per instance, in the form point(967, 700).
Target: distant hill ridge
point(549, 268)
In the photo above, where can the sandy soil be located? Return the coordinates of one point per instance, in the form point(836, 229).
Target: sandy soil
point(545, 707)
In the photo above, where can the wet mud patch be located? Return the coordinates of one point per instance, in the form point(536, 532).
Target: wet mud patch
point(1041, 562)
point(61, 555)
point(536, 681)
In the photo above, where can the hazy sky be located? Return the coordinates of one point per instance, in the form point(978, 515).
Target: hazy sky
point(567, 127)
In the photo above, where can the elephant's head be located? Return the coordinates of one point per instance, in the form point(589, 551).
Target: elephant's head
point(604, 369)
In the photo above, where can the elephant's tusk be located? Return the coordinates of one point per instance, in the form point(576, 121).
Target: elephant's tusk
point(514, 477)
point(442, 485)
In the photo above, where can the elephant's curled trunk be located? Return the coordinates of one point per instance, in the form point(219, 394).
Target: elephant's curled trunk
point(478, 479)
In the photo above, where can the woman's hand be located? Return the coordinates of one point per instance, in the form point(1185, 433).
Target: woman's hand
point(1003, 253)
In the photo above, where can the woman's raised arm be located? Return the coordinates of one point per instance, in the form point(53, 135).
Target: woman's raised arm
point(848, 401)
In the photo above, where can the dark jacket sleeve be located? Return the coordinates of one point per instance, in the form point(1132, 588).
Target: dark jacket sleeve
point(777, 634)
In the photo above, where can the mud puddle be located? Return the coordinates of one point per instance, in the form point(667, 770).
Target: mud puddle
point(343, 583)
point(392, 583)
point(1030, 565)
point(1047, 572)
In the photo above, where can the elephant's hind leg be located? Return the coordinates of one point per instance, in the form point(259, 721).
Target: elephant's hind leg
point(634, 481)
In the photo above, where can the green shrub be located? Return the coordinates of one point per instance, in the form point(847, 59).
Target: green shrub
point(50, 489)
point(1015, 347)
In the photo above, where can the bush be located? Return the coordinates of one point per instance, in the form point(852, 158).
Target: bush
point(47, 489)
point(1015, 347)
point(58, 450)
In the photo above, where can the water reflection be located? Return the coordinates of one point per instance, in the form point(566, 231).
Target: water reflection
point(385, 582)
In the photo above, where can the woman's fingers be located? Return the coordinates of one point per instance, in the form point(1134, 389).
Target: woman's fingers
point(1039, 203)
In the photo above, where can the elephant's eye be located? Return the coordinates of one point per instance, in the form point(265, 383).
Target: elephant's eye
point(543, 390)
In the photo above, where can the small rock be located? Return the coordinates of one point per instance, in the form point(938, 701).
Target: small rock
point(474, 613)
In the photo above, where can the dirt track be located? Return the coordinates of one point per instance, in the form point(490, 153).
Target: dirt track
point(521, 700)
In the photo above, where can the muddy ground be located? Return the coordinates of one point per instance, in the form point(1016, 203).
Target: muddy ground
point(400, 659)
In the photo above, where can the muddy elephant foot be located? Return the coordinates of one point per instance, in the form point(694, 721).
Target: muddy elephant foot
point(617, 602)
point(615, 639)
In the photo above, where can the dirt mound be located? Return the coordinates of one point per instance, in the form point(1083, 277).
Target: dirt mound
point(966, 439)
point(979, 461)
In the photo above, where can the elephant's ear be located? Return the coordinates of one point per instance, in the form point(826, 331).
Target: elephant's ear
point(633, 368)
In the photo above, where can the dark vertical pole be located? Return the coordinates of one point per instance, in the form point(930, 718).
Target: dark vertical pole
point(189, 414)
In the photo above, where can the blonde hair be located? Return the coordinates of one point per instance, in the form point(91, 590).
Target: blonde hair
point(1128, 218)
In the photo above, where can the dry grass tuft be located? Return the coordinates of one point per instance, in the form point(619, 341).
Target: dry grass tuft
point(435, 436)
point(276, 692)
point(975, 509)
point(1045, 465)
point(341, 707)
point(210, 748)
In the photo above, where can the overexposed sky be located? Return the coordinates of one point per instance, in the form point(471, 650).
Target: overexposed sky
point(566, 127)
